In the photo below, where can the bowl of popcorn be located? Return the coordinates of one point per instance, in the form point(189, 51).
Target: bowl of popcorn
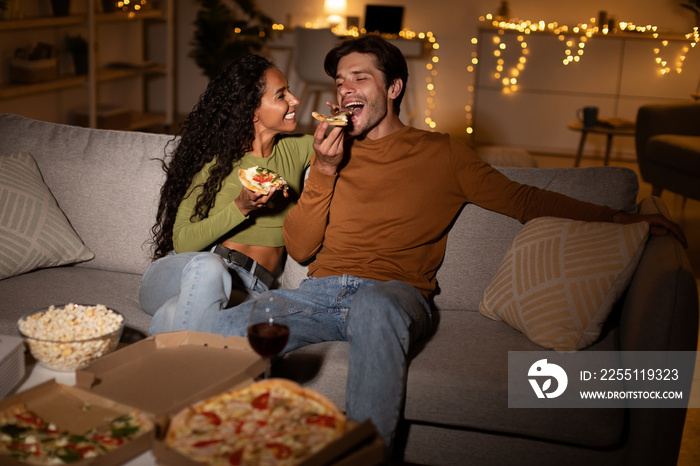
point(69, 337)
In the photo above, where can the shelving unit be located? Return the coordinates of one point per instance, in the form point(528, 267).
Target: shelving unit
point(92, 20)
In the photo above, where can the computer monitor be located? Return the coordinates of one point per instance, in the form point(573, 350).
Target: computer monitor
point(383, 19)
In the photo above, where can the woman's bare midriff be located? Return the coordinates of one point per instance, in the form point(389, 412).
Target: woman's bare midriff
point(267, 256)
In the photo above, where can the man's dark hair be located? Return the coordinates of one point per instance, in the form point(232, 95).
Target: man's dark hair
point(389, 60)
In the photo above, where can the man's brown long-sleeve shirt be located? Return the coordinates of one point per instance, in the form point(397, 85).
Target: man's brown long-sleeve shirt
point(386, 214)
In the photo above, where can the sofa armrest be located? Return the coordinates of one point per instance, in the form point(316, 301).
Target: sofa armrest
point(660, 311)
point(667, 119)
point(655, 119)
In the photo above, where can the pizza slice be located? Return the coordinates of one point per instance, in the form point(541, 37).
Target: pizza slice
point(337, 119)
point(261, 180)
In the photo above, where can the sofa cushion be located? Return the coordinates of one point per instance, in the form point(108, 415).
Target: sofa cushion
point(34, 232)
point(60, 285)
point(478, 235)
point(676, 151)
point(86, 170)
point(560, 278)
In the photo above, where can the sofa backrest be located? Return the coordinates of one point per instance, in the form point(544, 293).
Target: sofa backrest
point(106, 182)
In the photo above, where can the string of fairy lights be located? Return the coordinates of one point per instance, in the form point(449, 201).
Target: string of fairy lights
point(431, 67)
point(574, 38)
point(131, 6)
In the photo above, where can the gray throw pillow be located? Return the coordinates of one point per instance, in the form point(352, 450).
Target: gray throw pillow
point(34, 231)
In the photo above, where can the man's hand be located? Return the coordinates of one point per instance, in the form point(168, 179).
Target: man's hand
point(658, 224)
point(328, 148)
point(249, 201)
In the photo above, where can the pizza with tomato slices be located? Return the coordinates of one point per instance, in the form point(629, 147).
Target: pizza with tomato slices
point(27, 437)
point(274, 421)
point(337, 119)
point(261, 180)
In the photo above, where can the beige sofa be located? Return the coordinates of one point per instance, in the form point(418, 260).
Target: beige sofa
point(456, 412)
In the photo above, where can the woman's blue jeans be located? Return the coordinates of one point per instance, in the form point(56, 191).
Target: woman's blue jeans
point(380, 320)
point(194, 282)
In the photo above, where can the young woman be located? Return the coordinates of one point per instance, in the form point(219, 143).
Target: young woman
point(212, 235)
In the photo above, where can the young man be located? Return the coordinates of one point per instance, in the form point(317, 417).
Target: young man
point(374, 216)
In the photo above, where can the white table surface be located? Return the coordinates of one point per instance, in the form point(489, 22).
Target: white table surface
point(37, 374)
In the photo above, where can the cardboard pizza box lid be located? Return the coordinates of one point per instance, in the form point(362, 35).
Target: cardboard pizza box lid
point(361, 445)
point(76, 410)
point(369, 453)
point(162, 374)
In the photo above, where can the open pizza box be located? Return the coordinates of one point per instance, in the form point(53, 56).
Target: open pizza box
point(77, 411)
point(157, 376)
point(161, 375)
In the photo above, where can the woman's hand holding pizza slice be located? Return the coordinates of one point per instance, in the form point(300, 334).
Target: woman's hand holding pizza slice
point(259, 184)
point(248, 200)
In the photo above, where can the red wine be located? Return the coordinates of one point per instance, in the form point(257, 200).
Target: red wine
point(268, 339)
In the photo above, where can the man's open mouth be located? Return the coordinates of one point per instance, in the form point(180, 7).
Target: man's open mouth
point(354, 108)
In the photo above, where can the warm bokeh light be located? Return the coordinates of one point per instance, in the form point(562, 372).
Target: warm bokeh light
point(574, 39)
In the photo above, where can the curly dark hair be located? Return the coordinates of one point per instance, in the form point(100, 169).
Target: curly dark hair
point(219, 126)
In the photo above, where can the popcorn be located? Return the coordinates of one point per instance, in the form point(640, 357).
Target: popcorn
point(68, 338)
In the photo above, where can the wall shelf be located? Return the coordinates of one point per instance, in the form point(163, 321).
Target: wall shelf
point(91, 20)
point(112, 74)
point(41, 22)
point(13, 91)
point(123, 16)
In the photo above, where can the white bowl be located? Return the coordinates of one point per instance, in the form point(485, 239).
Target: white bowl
point(70, 337)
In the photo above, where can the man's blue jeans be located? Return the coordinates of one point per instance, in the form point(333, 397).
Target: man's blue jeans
point(380, 320)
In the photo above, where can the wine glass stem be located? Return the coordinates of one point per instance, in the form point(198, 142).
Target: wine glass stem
point(267, 368)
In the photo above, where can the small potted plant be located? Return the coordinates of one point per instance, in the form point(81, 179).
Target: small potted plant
point(223, 34)
point(78, 48)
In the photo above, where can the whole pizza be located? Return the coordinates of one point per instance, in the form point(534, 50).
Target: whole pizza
point(274, 421)
point(27, 437)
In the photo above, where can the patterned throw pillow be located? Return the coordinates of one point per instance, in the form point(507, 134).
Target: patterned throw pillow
point(560, 278)
point(34, 232)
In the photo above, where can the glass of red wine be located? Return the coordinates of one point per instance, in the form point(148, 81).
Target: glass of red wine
point(267, 328)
